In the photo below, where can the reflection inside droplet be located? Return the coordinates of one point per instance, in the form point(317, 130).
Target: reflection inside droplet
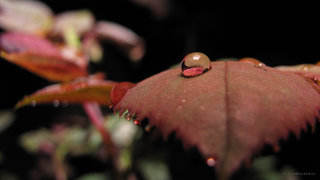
point(195, 64)
point(211, 162)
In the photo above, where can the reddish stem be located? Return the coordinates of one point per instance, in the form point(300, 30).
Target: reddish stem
point(60, 173)
point(95, 115)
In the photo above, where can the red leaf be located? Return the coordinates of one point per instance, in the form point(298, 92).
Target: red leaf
point(119, 90)
point(41, 57)
point(229, 112)
point(91, 89)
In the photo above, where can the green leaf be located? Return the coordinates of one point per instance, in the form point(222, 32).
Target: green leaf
point(95, 176)
point(153, 169)
point(6, 119)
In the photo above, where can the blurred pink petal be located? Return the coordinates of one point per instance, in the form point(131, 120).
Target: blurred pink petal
point(80, 21)
point(129, 41)
point(27, 16)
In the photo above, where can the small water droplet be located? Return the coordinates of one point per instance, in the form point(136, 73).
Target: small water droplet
point(136, 122)
point(195, 64)
point(55, 103)
point(306, 67)
point(211, 162)
point(250, 60)
point(127, 117)
point(260, 66)
point(33, 103)
point(256, 62)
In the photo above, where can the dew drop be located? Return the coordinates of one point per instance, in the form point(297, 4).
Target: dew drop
point(250, 60)
point(55, 103)
point(256, 62)
point(33, 103)
point(136, 122)
point(211, 162)
point(306, 67)
point(195, 64)
point(127, 117)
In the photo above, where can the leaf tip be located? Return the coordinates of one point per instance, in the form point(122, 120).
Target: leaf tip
point(119, 90)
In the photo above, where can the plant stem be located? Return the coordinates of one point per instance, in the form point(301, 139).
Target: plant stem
point(57, 159)
point(95, 115)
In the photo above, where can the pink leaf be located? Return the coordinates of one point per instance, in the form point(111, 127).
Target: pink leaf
point(80, 21)
point(130, 42)
point(41, 57)
point(229, 112)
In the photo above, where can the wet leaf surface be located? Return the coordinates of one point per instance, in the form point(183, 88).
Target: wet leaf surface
point(77, 91)
point(42, 57)
point(229, 113)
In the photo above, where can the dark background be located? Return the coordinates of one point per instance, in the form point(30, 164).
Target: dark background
point(274, 33)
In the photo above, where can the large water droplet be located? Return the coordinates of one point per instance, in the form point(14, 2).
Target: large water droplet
point(195, 64)
point(55, 103)
point(211, 162)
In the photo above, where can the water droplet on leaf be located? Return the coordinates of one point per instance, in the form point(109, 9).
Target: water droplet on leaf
point(33, 103)
point(256, 62)
point(136, 122)
point(211, 162)
point(195, 64)
point(306, 67)
point(127, 117)
point(55, 103)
